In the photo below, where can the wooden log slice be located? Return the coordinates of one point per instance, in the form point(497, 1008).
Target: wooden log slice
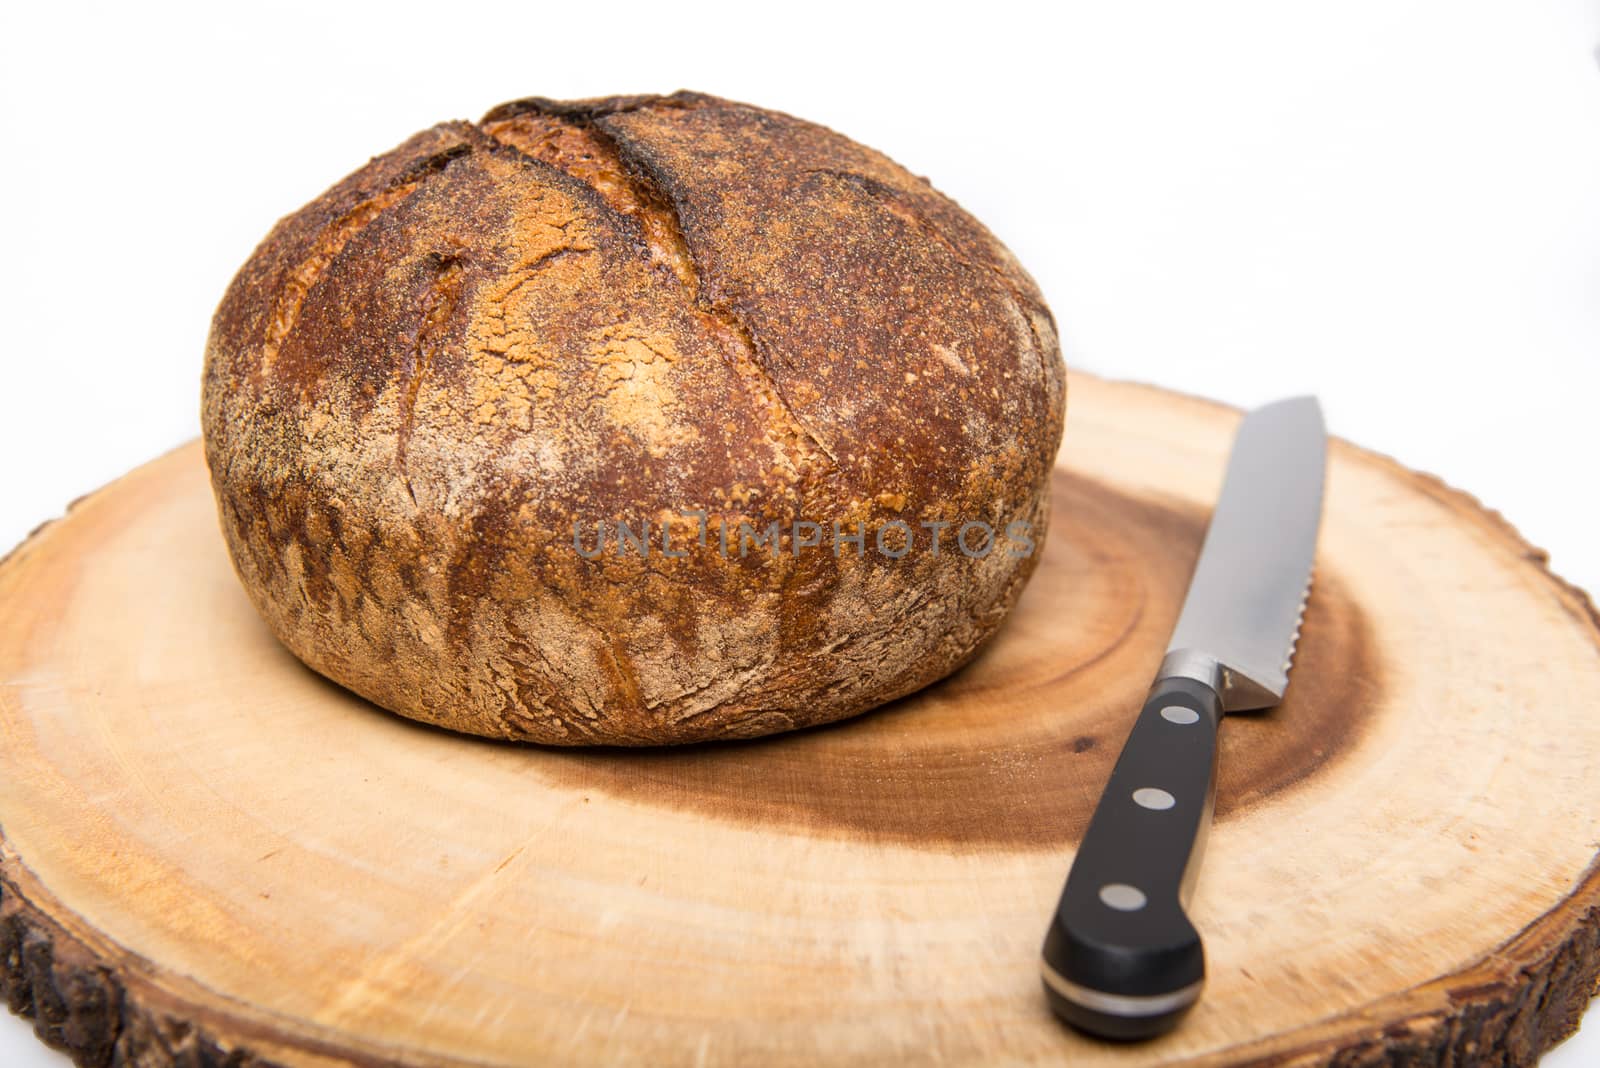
point(212, 856)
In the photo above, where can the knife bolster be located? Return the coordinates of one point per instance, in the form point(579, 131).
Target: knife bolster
point(1240, 690)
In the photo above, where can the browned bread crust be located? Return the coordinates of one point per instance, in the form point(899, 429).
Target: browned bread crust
point(628, 309)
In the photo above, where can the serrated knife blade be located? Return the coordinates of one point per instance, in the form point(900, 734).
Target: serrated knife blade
point(1121, 958)
point(1241, 617)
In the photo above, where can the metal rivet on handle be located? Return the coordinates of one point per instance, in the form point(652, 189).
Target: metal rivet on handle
point(1153, 797)
point(1179, 714)
point(1122, 897)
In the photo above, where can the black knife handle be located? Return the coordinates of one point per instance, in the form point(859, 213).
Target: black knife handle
point(1121, 959)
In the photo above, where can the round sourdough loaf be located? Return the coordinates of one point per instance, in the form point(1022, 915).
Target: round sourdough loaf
point(632, 421)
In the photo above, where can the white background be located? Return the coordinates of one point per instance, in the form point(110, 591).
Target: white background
point(1393, 204)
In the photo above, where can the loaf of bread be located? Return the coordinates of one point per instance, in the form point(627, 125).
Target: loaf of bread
point(632, 421)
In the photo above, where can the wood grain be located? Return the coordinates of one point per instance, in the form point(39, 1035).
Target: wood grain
point(212, 856)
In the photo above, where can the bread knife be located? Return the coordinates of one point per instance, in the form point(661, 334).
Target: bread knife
point(1121, 958)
